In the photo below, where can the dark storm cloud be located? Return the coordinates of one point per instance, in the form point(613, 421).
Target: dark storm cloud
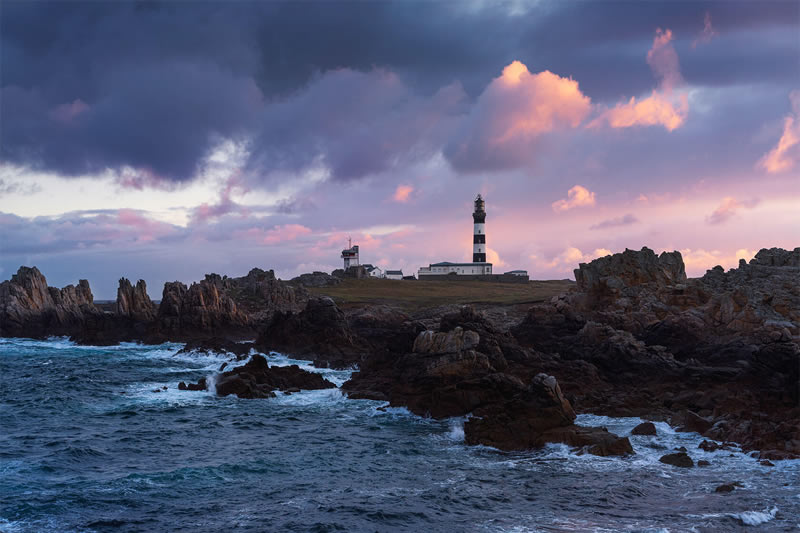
point(89, 86)
point(356, 124)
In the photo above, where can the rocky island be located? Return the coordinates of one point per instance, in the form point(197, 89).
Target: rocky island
point(718, 355)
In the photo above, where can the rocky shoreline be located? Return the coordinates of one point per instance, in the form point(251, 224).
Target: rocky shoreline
point(718, 355)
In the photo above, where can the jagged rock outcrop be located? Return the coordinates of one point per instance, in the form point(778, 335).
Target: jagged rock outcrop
point(455, 371)
point(323, 333)
point(724, 346)
point(260, 294)
point(316, 279)
point(29, 308)
point(609, 275)
point(257, 379)
point(202, 308)
point(134, 302)
point(216, 306)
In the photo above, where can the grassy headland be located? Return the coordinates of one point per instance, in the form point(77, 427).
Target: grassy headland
point(416, 295)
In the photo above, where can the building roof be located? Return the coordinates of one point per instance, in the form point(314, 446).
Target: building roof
point(369, 267)
point(517, 272)
point(448, 263)
point(394, 272)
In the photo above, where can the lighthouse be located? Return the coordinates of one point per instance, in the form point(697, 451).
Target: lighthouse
point(479, 232)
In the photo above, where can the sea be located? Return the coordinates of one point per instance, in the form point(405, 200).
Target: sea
point(97, 439)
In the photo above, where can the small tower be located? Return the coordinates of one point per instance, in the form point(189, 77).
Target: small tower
point(479, 233)
point(350, 255)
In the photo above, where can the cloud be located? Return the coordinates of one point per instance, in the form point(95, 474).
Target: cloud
point(708, 32)
point(699, 260)
point(730, 207)
point(510, 116)
point(664, 107)
point(353, 124)
point(566, 260)
point(403, 193)
point(625, 220)
point(578, 196)
point(787, 152)
point(15, 187)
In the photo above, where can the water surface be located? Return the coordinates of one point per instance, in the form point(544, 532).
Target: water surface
point(87, 445)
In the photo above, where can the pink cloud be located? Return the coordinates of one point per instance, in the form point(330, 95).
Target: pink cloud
point(664, 106)
point(205, 211)
point(403, 193)
point(699, 260)
point(147, 229)
point(578, 196)
point(286, 232)
point(67, 112)
point(787, 152)
point(708, 32)
point(510, 115)
point(729, 208)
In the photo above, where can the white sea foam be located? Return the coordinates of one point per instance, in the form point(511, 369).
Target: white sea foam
point(755, 518)
point(337, 377)
point(456, 432)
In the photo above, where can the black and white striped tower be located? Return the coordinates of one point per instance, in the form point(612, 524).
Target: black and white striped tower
point(479, 234)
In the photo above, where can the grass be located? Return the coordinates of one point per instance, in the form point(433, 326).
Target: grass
point(415, 295)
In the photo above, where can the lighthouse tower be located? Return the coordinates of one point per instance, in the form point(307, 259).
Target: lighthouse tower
point(479, 234)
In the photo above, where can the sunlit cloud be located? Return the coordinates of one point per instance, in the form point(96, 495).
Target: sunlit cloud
point(729, 208)
point(514, 111)
point(403, 193)
point(787, 152)
point(665, 106)
point(578, 196)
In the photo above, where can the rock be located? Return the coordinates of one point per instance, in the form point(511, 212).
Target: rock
point(703, 462)
point(728, 487)
point(29, 308)
point(645, 428)
point(200, 385)
point(680, 459)
point(692, 422)
point(777, 257)
point(316, 279)
point(765, 462)
point(257, 379)
point(711, 446)
point(608, 275)
point(200, 309)
point(320, 331)
point(523, 419)
point(431, 342)
point(217, 345)
point(134, 302)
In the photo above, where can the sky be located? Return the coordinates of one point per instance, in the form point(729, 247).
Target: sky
point(167, 140)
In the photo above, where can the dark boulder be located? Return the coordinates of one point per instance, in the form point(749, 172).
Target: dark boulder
point(200, 385)
point(680, 459)
point(645, 428)
point(257, 379)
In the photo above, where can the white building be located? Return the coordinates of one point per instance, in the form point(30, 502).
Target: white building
point(350, 256)
point(373, 271)
point(394, 274)
point(517, 273)
point(445, 267)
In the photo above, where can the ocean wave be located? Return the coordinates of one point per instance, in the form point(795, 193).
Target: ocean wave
point(755, 518)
